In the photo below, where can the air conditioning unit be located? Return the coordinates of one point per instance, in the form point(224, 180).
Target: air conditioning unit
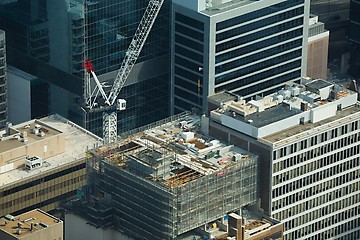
point(33, 162)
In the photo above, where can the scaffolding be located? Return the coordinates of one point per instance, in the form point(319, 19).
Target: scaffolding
point(161, 187)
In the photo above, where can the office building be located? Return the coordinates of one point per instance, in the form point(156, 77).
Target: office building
point(354, 22)
point(32, 225)
point(28, 96)
point(307, 138)
point(166, 180)
point(334, 14)
point(354, 37)
point(51, 39)
point(318, 48)
point(253, 227)
point(3, 81)
point(42, 163)
point(245, 47)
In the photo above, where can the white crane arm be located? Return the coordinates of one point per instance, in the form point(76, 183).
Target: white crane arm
point(137, 43)
point(98, 84)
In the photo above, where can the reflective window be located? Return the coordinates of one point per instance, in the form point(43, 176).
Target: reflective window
point(260, 34)
point(188, 43)
point(259, 24)
point(257, 14)
point(189, 21)
point(262, 75)
point(189, 32)
point(258, 66)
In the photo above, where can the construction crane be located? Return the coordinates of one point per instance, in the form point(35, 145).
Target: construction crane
point(132, 54)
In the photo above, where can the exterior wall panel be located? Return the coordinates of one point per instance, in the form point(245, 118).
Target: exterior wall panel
point(38, 192)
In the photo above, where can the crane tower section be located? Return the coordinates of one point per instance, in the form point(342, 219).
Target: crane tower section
point(135, 47)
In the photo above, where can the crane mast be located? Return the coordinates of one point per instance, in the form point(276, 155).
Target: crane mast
point(132, 54)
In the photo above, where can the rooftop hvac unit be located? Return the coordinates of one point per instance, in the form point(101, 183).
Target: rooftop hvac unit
point(295, 91)
point(23, 134)
point(35, 131)
point(279, 98)
point(33, 162)
point(9, 217)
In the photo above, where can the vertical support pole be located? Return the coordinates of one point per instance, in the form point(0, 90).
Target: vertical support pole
point(110, 126)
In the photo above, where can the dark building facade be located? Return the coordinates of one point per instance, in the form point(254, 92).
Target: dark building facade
point(355, 22)
point(354, 37)
point(51, 39)
point(3, 81)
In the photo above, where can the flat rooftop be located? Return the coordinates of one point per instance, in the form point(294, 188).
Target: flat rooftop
point(77, 142)
point(15, 71)
point(293, 109)
point(177, 144)
point(291, 134)
point(318, 84)
point(216, 9)
point(254, 222)
point(27, 223)
point(269, 116)
point(223, 97)
point(13, 140)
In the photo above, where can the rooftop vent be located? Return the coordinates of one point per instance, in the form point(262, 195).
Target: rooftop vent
point(9, 217)
point(7, 127)
point(43, 224)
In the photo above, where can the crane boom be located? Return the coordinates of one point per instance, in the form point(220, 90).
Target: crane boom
point(135, 47)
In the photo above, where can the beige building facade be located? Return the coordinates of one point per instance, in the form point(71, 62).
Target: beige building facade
point(318, 48)
point(32, 225)
point(59, 149)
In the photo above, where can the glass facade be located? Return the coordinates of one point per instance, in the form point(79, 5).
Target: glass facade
point(142, 107)
point(110, 26)
point(188, 58)
point(354, 37)
point(63, 33)
point(27, 26)
point(39, 98)
point(3, 81)
point(355, 21)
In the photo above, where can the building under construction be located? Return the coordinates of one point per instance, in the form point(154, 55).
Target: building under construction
point(167, 180)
